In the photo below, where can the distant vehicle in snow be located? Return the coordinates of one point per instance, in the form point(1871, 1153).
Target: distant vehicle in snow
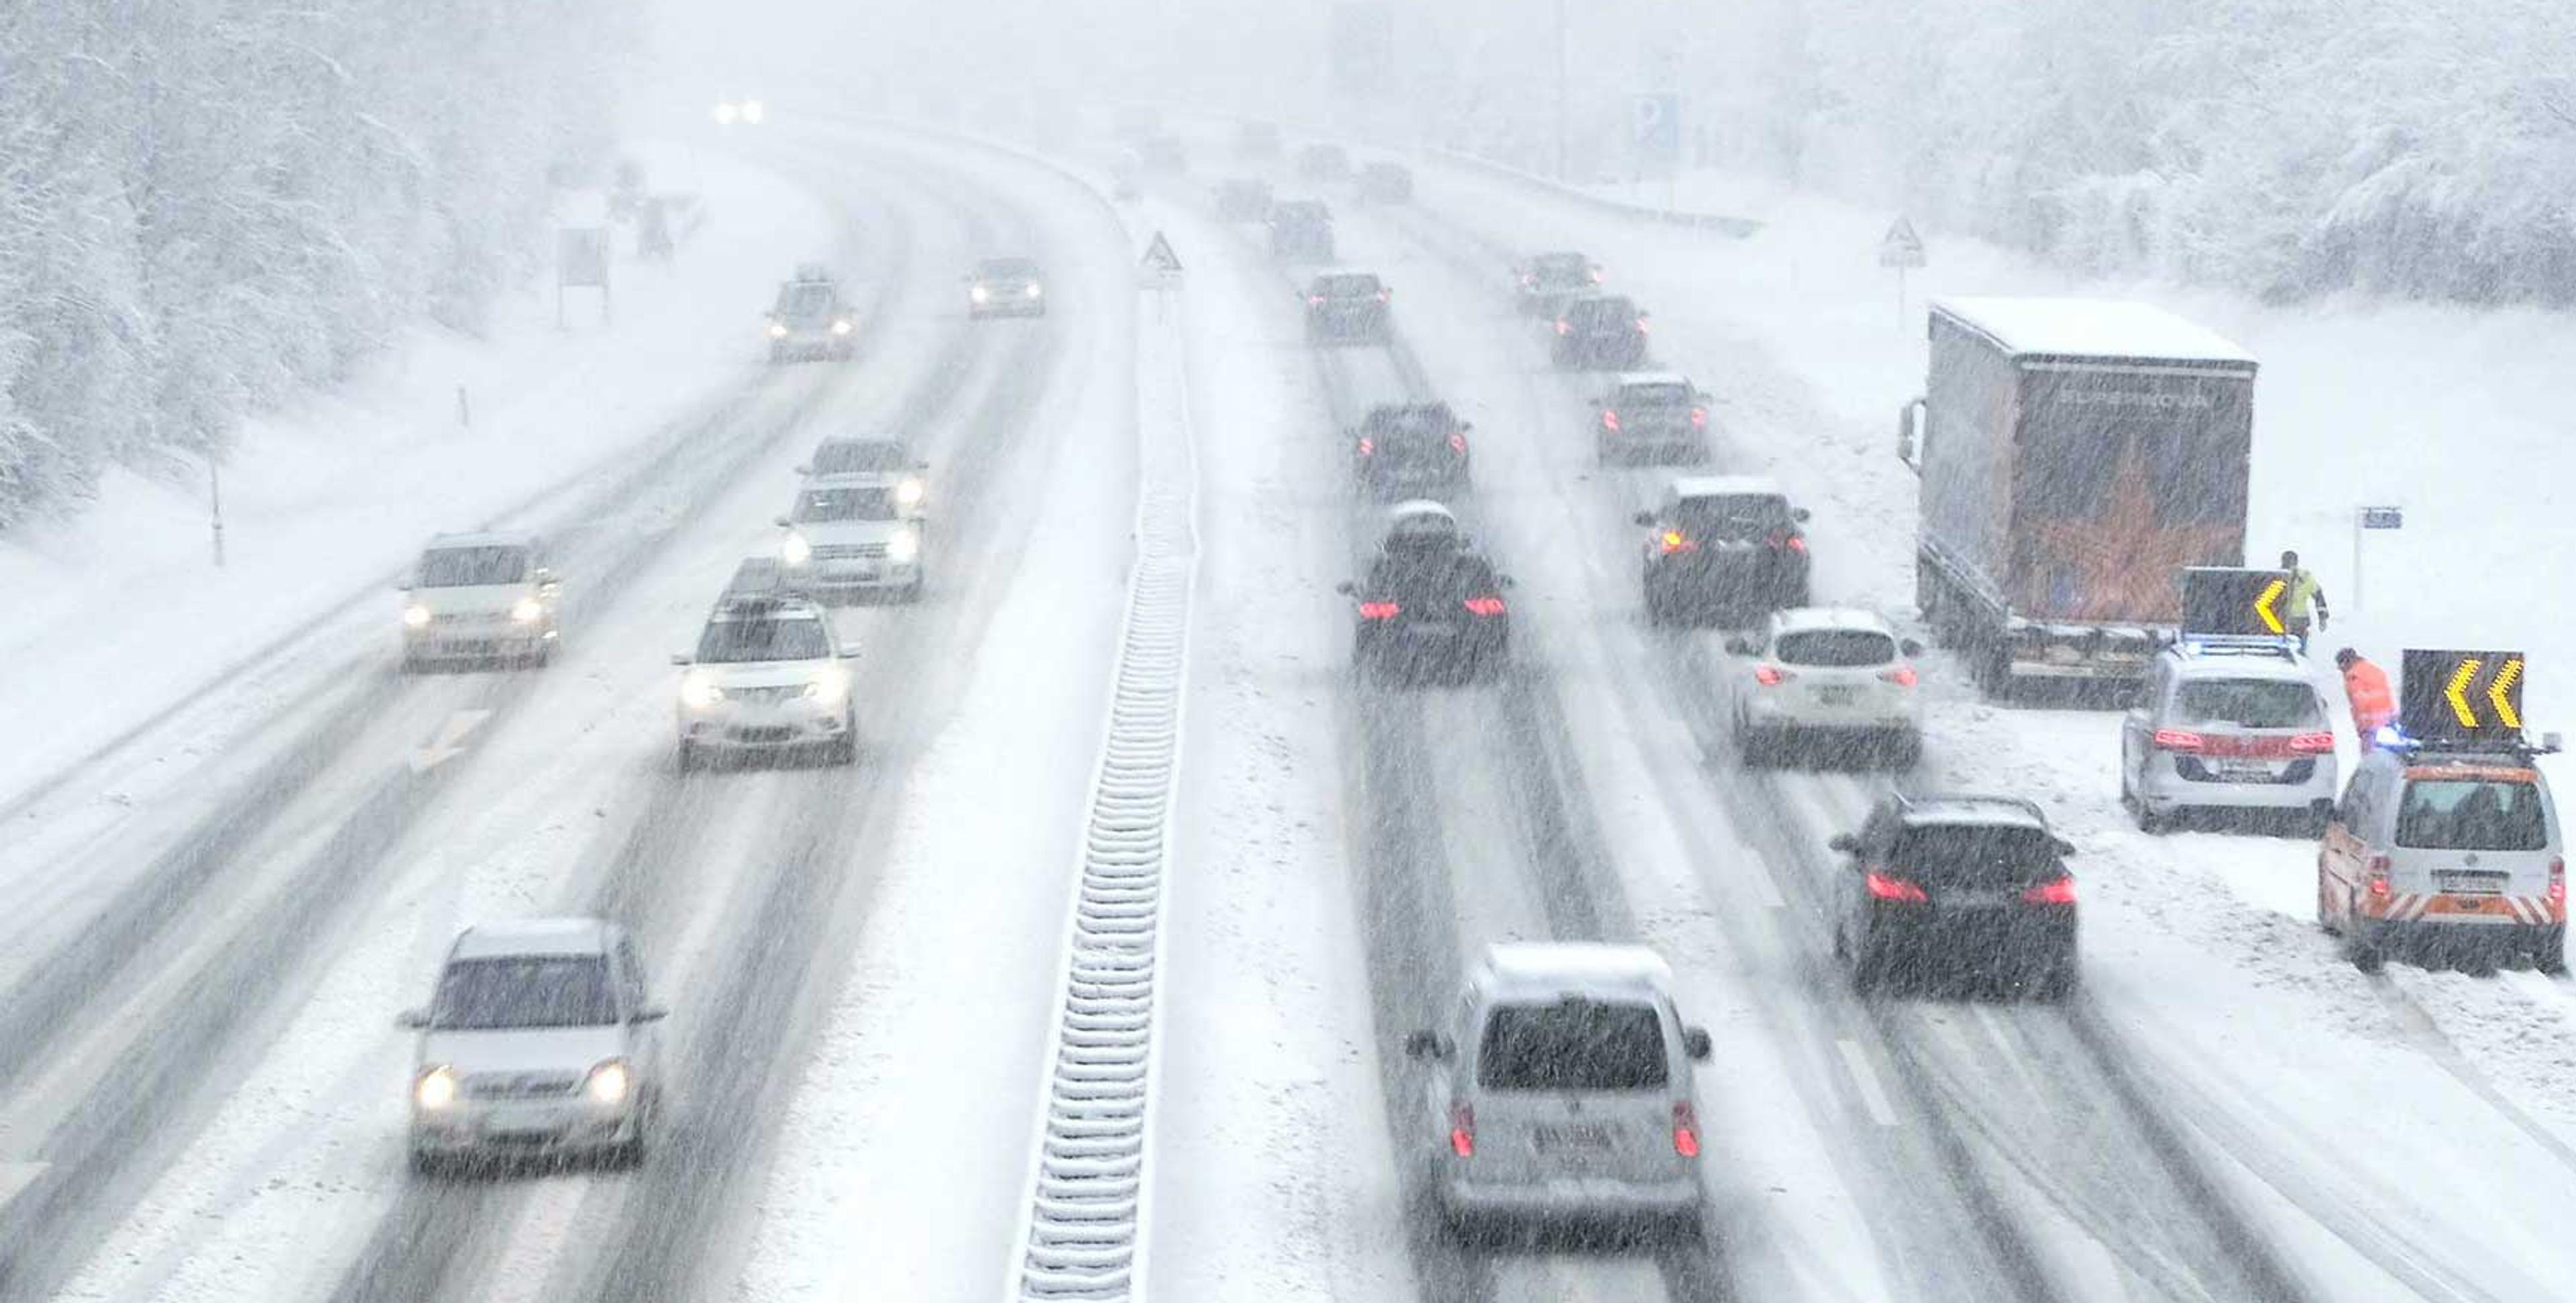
point(1544, 283)
point(1722, 546)
point(1948, 891)
point(1407, 450)
point(846, 455)
point(809, 319)
point(1562, 1090)
point(1243, 199)
point(1006, 287)
point(856, 533)
point(1301, 230)
point(2074, 454)
point(480, 597)
point(540, 1041)
point(1430, 608)
point(2229, 724)
point(1345, 307)
point(1600, 332)
point(1655, 414)
point(1257, 140)
point(1324, 162)
point(1386, 183)
point(767, 677)
point(1838, 682)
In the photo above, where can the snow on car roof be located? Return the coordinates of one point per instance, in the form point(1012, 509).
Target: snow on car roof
point(487, 538)
point(1997, 811)
point(1552, 967)
point(533, 936)
point(1651, 378)
point(2224, 663)
point(1832, 617)
point(1726, 486)
point(2054, 327)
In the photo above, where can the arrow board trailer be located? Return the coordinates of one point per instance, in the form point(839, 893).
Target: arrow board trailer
point(2218, 602)
point(2075, 454)
point(2451, 699)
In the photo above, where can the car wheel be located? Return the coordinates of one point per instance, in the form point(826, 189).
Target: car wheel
point(2363, 948)
point(689, 759)
point(845, 748)
point(912, 591)
point(2059, 984)
point(1905, 752)
point(2150, 822)
point(1659, 605)
point(2325, 916)
point(427, 1165)
point(2549, 955)
point(1868, 968)
point(1757, 749)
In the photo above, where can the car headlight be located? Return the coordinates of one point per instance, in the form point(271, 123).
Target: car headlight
point(794, 550)
point(904, 546)
point(841, 327)
point(831, 685)
point(528, 611)
point(435, 1089)
point(754, 112)
point(778, 330)
point(608, 1083)
point(1036, 289)
point(698, 690)
point(979, 293)
point(908, 493)
point(416, 616)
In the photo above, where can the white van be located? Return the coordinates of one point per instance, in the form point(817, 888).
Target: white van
point(2450, 850)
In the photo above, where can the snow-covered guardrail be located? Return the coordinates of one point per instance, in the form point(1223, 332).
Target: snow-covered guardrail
point(1720, 223)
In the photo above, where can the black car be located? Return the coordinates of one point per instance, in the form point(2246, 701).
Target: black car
point(1600, 332)
point(1346, 306)
point(1544, 284)
point(1410, 450)
point(1386, 183)
point(1322, 162)
point(1301, 230)
point(1944, 891)
point(1723, 547)
point(1243, 199)
point(1431, 610)
point(1650, 414)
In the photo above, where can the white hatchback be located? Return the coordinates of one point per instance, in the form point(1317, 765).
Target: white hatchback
point(1840, 677)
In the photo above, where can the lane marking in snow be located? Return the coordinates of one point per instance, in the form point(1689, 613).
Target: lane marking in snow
point(16, 1177)
point(1872, 1096)
point(450, 742)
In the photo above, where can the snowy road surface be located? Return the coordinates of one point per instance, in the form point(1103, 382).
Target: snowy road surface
point(201, 1091)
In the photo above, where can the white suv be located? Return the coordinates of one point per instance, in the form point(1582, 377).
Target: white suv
point(767, 676)
point(2227, 724)
point(1837, 676)
point(855, 533)
point(480, 597)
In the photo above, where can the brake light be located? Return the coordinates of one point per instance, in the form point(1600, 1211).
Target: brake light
point(1563, 327)
point(2055, 891)
point(1462, 1130)
point(1675, 541)
point(1610, 421)
point(1368, 447)
point(2312, 743)
point(1883, 887)
point(2176, 739)
point(1699, 418)
point(1457, 443)
point(1382, 295)
point(1379, 610)
point(1796, 543)
point(1902, 676)
point(1641, 325)
point(2376, 875)
point(1314, 300)
point(1529, 280)
point(2557, 881)
point(1770, 676)
point(1487, 606)
point(1685, 1129)
point(1596, 275)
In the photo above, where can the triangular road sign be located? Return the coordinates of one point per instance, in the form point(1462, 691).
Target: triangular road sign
point(1901, 247)
point(1160, 258)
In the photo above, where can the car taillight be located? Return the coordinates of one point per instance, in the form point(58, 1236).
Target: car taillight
point(1368, 447)
point(1770, 676)
point(1641, 325)
point(1462, 1130)
point(1883, 887)
point(1786, 541)
point(2376, 874)
point(1383, 295)
point(1699, 418)
point(1676, 541)
point(1685, 1129)
point(2558, 881)
point(1314, 300)
point(1379, 610)
point(1487, 606)
point(1529, 280)
point(1564, 328)
point(2176, 739)
point(1795, 543)
point(1457, 443)
point(2312, 743)
point(1902, 676)
point(2055, 891)
point(1610, 421)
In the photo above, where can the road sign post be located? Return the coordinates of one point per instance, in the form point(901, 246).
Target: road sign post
point(1160, 269)
point(581, 258)
point(1901, 249)
point(1656, 134)
point(2364, 520)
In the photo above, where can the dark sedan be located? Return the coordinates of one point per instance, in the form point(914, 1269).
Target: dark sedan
point(1431, 615)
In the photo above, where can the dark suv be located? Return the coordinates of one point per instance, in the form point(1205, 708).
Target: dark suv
point(1410, 450)
point(1431, 608)
point(1939, 890)
point(1346, 306)
point(1547, 281)
point(1651, 414)
point(1723, 546)
point(1601, 332)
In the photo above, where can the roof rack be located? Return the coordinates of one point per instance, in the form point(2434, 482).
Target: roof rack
point(2278, 647)
point(764, 605)
point(2391, 738)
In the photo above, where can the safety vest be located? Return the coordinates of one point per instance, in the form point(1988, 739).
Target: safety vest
point(2303, 593)
point(2372, 703)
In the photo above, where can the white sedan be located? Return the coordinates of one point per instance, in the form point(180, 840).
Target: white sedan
point(1837, 677)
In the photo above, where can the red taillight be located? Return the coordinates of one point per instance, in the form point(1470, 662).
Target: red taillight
point(1379, 610)
point(1610, 421)
point(1676, 541)
point(1795, 543)
point(1462, 1130)
point(1487, 606)
point(2056, 891)
point(2558, 881)
point(1770, 676)
point(1641, 325)
point(2176, 739)
point(1368, 447)
point(1564, 328)
point(1383, 295)
point(1596, 275)
point(1699, 418)
point(2376, 874)
point(1457, 443)
point(1314, 300)
point(1529, 280)
point(1884, 887)
point(1902, 676)
point(1685, 1129)
point(2312, 743)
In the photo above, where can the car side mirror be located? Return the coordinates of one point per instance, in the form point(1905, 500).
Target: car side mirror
point(1346, 588)
point(1905, 430)
point(402, 585)
point(412, 1019)
point(848, 651)
point(681, 658)
point(650, 1013)
point(1845, 843)
point(1910, 647)
point(1799, 515)
point(782, 522)
point(1740, 647)
point(1645, 518)
point(1507, 581)
point(2065, 847)
point(1695, 1043)
point(921, 465)
point(1427, 1045)
point(1466, 427)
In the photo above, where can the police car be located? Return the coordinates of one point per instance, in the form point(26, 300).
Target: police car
point(767, 677)
point(2446, 844)
point(2227, 724)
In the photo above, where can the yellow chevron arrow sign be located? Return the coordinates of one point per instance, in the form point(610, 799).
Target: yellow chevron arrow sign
point(2500, 693)
point(2457, 691)
point(2263, 605)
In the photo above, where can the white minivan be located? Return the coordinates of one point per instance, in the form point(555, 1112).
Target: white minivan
point(2449, 852)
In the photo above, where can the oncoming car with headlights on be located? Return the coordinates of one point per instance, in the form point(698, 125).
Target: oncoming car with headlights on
point(768, 677)
point(809, 320)
point(480, 597)
point(540, 1042)
point(1006, 287)
point(851, 534)
point(844, 456)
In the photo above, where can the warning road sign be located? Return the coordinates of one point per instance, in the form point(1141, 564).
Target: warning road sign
point(1901, 247)
point(2461, 696)
point(1160, 259)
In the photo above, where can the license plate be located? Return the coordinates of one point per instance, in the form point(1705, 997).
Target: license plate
point(1835, 696)
point(1430, 629)
point(1974, 899)
point(2245, 771)
point(1563, 1139)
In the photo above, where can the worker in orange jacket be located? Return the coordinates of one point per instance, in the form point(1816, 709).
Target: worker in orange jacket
point(2366, 686)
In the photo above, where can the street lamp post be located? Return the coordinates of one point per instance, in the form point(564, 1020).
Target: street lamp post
point(1560, 90)
point(215, 501)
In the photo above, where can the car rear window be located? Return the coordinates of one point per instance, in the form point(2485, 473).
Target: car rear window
point(1656, 395)
point(1429, 578)
point(468, 567)
point(1573, 1045)
point(1601, 312)
point(2248, 703)
point(856, 456)
point(2469, 814)
point(1562, 269)
point(1828, 648)
point(1976, 855)
point(858, 502)
point(1349, 287)
point(1009, 269)
point(733, 642)
point(523, 991)
point(1733, 515)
